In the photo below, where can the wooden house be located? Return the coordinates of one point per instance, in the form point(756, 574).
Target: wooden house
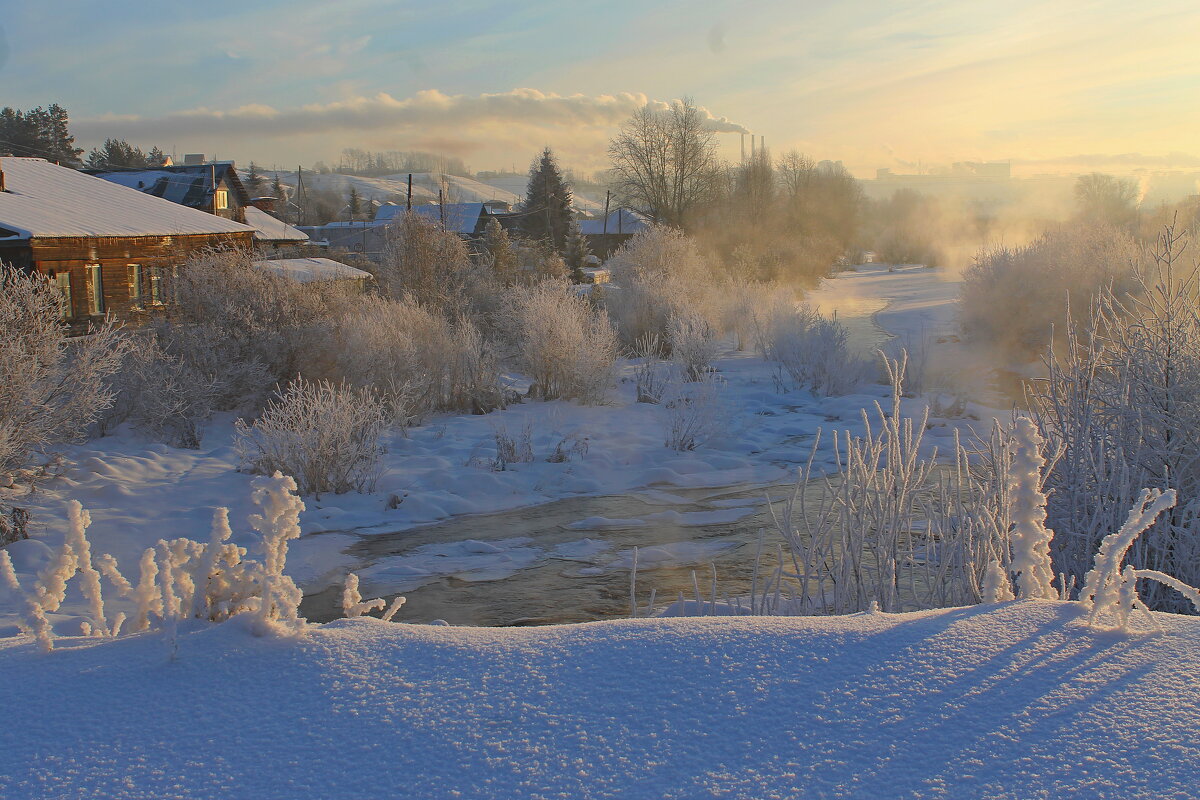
point(108, 248)
point(214, 188)
point(606, 235)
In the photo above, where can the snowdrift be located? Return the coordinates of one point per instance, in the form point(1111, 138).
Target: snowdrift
point(1010, 700)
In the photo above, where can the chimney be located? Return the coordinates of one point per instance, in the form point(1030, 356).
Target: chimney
point(193, 159)
point(266, 204)
point(2, 189)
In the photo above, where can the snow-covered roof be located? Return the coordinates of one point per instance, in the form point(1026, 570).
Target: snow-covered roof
point(311, 270)
point(459, 217)
point(620, 221)
point(189, 185)
point(269, 229)
point(44, 200)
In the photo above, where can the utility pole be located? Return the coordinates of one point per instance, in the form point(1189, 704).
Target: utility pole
point(442, 206)
point(213, 180)
point(408, 203)
point(607, 194)
point(299, 195)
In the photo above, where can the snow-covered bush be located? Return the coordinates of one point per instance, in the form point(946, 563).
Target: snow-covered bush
point(1012, 297)
point(232, 332)
point(650, 374)
point(567, 348)
point(693, 344)
point(180, 578)
point(513, 449)
point(1029, 537)
point(660, 275)
point(424, 262)
point(170, 396)
point(325, 434)
point(52, 386)
point(418, 361)
point(1122, 406)
point(354, 606)
point(1109, 589)
point(894, 526)
point(814, 351)
point(693, 412)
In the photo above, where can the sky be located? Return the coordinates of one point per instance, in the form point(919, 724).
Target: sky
point(1052, 86)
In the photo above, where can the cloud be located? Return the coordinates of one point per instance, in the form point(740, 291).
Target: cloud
point(424, 111)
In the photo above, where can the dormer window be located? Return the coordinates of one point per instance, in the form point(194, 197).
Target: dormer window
point(221, 200)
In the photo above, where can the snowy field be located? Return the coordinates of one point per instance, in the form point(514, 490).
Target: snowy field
point(138, 492)
point(1010, 701)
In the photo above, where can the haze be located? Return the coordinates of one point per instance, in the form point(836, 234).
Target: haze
point(1068, 86)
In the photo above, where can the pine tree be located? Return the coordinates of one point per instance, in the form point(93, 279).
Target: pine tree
point(355, 204)
point(277, 189)
point(156, 157)
point(59, 138)
point(499, 247)
point(547, 205)
point(577, 253)
point(40, 133)
point(254, 180)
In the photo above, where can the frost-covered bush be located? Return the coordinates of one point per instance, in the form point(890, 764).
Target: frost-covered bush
point(566, 347)
point(693, 344)
point(325, 434)
point(513, 448)
point(661, 275)
point(231, 333)
point(814, 351)
point(425, 262)
point(891, 525)
point(416, 359)
point(1012, 297)
point(1121, 408)
point(179, 578)
point(354, 606)
point(650, 374)
point(52, 386)
point(694, 412)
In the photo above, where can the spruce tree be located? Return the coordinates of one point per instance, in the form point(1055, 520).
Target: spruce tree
point(254, 180)
point(576, 253)
point(499, 247)
point(355, 204)
point(277, 189)
point(547, 204)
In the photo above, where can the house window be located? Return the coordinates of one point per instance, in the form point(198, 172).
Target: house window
point(135, 285)
point(222, 199)
point(95, 285)
point(63, 281)
point(156, 286)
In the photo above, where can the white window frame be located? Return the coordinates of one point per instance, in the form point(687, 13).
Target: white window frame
point(221, 199)
point(95, 289)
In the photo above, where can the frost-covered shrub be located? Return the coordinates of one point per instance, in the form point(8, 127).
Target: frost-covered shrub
point(354, 606)
point(513, 448)
point(235, 330)
point(566, 347)
point(893, 526)
point(424, 262)
point(1012, 297)
point(416, 359)
point(52, 386)
point(1121, 407)
point(693, 344)
point(325, 434)
point(694, 412)
point(660, 274)
point(180, 578)
point(1110, 590)
point(650, 373)
point(170, 396)
point(814, 351)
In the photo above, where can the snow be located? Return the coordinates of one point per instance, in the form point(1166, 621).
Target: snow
point(44, 200)
point(137, 492)
point(1012, 700)
point(269, 229)
point(311, 270)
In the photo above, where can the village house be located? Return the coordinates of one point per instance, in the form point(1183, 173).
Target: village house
point(107, 247)
point(606, 235)
point(215, 188)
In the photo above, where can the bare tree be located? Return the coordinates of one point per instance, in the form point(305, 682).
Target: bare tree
point(665, 161)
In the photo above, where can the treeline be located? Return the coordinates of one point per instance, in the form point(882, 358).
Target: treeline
point(39, 133)
point(390, 162)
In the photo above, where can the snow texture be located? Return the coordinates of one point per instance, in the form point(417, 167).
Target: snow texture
point(47, 201)
point(1010, 701)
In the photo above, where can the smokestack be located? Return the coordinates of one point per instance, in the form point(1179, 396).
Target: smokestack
point(762, 144)
point(752, 147)
point(743, 148)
